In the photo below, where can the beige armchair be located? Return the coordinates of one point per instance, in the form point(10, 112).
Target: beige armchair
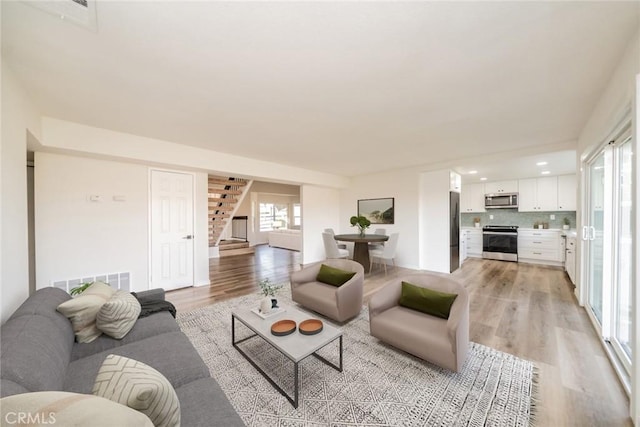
point(443, 342)
point(337, 303)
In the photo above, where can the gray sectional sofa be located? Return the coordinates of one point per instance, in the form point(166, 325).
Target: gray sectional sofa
point(38, 353)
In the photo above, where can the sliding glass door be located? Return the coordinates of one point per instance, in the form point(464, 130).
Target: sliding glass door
point(624, 239)
point(608, 243)
point(594, 235)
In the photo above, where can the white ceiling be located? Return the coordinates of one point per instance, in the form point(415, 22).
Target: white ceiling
point(342, 87)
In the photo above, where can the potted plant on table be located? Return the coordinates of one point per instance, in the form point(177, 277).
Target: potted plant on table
point(268, 290)
point(566, 223)
point(361, 222)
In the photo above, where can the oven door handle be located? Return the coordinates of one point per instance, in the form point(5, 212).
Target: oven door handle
point(497, 233)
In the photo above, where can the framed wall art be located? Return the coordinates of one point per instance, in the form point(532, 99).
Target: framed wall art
point(378, 211)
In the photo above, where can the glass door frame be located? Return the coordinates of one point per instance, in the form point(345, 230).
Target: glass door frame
point(606, 328)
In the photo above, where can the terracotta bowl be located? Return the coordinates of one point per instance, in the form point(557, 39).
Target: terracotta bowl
point(283, 327)
point(310, 327)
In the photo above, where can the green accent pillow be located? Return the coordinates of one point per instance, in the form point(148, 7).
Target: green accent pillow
point(426, 300)
point(333, 276)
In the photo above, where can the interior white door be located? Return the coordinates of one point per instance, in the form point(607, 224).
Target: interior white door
point(171, 229)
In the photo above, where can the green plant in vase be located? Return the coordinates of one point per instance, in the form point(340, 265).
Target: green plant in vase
point(269, 291)
point(361, 222)
point(566, 223)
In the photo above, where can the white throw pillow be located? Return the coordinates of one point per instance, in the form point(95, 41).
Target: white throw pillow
point(118, 315)
point(60, 408)
point(140, 387)
point(83, 310)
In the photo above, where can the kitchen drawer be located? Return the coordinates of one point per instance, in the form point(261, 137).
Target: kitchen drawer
point(539, 243)
point(540, 254)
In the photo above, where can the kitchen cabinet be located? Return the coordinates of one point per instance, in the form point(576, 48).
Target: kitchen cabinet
point(473, 244)
point(538, 194)
point(463, 245)
point(567, 188)
point(472, 198)
point(501, 187)
point(570, 259)
point(540, 246)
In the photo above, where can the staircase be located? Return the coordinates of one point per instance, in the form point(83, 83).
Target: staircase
point(225, 195)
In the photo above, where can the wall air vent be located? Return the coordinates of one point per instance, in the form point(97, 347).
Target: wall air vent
point(79, 12)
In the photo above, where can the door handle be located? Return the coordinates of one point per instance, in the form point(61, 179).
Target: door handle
point(585, 235)
point(188, 237)
point(593, 233)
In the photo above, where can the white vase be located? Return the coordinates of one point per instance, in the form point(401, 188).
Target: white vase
point(265, 305)
point(565, 227)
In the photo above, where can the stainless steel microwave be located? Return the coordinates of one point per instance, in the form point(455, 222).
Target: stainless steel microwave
point(501, 201)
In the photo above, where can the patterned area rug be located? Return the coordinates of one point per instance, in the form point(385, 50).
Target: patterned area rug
point(379, 386)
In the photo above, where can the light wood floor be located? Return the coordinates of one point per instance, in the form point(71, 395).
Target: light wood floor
point(522, 309)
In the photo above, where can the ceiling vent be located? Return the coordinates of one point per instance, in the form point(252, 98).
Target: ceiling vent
point(79, 12)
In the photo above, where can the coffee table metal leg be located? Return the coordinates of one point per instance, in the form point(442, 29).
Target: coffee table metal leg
point(326, 362)
point(296, 385)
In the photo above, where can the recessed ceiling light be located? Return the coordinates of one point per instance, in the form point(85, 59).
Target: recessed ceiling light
point(472, 172)
point(545, 172)
point(541, 163)
point(483, 179)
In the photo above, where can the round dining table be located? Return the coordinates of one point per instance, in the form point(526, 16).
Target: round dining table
point(361, 246)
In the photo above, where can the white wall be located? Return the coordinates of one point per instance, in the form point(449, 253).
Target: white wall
point(320, 210)
point(76, 237)
point(74, 137)
point(18, 116)
point(434, 221)
point(621, 92)
point(201, 231)
point(403, 185)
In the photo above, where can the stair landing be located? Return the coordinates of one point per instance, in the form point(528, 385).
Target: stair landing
point(234, 247)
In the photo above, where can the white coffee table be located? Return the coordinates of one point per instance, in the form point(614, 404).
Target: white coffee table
point(296, 346)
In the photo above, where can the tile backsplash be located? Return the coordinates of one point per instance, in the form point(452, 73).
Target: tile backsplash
point(521, 219)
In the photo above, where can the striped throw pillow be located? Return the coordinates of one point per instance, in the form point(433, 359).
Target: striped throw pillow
point(140, 387)
point(118, 315)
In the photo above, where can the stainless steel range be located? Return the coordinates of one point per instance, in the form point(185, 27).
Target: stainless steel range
point(500, 242)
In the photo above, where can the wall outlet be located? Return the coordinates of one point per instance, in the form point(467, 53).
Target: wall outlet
point(490, 216)
point(552, 216)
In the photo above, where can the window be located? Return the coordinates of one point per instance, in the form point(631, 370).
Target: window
point(273, 216)
point(297, 221)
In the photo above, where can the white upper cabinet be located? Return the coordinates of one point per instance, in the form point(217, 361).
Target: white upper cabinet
point(547, 193)
point(567, 188)
point(472, 198)
point(538, 194)
point(501, 187)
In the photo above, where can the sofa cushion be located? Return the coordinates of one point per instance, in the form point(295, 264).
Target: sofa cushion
point(320, 296)
point(140, 387)
point(426, 300)
point(70, 409)
point(145, 327)
point(412, 331)
point(35, 352)
point(172, 354)
point(203, 403)
point(44, 302)
point(118, 315)
point(334, 276)
point(8, 388)
point(82, 310)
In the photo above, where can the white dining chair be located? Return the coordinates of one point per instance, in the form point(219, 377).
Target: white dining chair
point(331, 247)
point(340, 245)
point(378, 245)
point(388, 252)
